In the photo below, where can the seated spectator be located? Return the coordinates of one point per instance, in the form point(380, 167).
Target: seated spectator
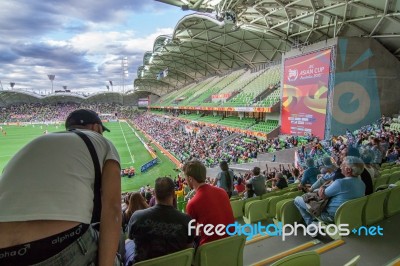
point(136, 202)
point(309, 175)
point(340, 191)
point(258, 182)
point(296, 175)
point(158, 230)
point(365, 176)
point(249, 192)
point(148, 195)
point(240, 187)
point(125, 202)
point(327, 173)
point(278, 182)
point(367, 157)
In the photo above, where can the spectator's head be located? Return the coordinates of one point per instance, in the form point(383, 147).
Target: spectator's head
point(85, 119)
point(136, 202)
point(224, 166)
point(195, 173)
point(239, 181)
point(328, 166)
point(256, 171)
point(249, 187)
point(278, 176)
point(367, 156)
point(352, 166)
point(310, 162)
point(164, 190)
point(296, 172)
point(249, 190)
point(375, 141)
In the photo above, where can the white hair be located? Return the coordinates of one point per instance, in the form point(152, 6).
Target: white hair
point(355, 163)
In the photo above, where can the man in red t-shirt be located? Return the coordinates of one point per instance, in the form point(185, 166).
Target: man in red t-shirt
point(210, 205)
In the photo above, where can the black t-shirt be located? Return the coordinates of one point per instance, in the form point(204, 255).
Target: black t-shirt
point(158, 231)
point(282, 183)
point(366, 178)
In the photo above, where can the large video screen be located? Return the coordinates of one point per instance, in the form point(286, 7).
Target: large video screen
point(143, 103)
point(305, 90)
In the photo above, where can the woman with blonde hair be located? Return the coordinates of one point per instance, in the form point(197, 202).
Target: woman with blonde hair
point(136, 202)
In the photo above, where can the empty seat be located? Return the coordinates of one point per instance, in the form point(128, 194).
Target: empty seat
point(392, 205)
point(255, 211)
point(226, 251)
point(373, 211)
point(182, 258)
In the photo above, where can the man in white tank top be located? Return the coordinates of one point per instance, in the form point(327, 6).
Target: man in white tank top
point(46, 198)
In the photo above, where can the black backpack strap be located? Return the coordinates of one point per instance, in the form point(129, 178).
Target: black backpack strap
point(96, 214)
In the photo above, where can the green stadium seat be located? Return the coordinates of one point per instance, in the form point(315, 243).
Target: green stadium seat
point(271, 208)
point(394, 177)
point(351, 212)
point(380, 181)
point(373, 210)
point(246, 204)
point(181, 258)
point(392, 205)
point(237, 208)
point(226, 251)
point(310, 258)
point(288, 212)
point(255, 211)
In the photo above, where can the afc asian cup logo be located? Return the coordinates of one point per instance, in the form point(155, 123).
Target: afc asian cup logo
point(293, 74)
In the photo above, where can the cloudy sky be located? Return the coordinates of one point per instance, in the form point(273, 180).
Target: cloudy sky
point(81, 42)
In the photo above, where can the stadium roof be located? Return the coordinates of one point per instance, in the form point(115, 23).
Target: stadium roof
point(16, 97)
point(238, 33)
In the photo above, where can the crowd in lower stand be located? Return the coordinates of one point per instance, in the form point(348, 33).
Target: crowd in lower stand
point(48, 113)
point(189, 141)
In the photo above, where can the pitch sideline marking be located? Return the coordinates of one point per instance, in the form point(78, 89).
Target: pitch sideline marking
point(129, 150)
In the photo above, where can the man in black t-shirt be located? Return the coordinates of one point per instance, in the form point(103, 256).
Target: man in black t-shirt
point(278, 182)
point(159, 230)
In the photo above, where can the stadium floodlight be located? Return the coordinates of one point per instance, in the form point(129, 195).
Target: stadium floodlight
point(112, 86)
point(124, 74)
point(51, 78)
point(65, 88)
point(108, 88)
point(12, 84)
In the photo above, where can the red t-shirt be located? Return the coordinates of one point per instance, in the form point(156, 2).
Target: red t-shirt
point(210, 205)
point(240, 188)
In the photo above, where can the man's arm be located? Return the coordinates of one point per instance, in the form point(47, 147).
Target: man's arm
point(110, 220)
point(330, 191)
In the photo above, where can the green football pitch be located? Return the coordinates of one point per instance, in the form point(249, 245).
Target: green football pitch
point(131, 150)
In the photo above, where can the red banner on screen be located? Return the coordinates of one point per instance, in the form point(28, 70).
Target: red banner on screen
point(305, 90)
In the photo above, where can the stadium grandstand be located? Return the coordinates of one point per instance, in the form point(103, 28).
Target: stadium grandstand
point(258, 83)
